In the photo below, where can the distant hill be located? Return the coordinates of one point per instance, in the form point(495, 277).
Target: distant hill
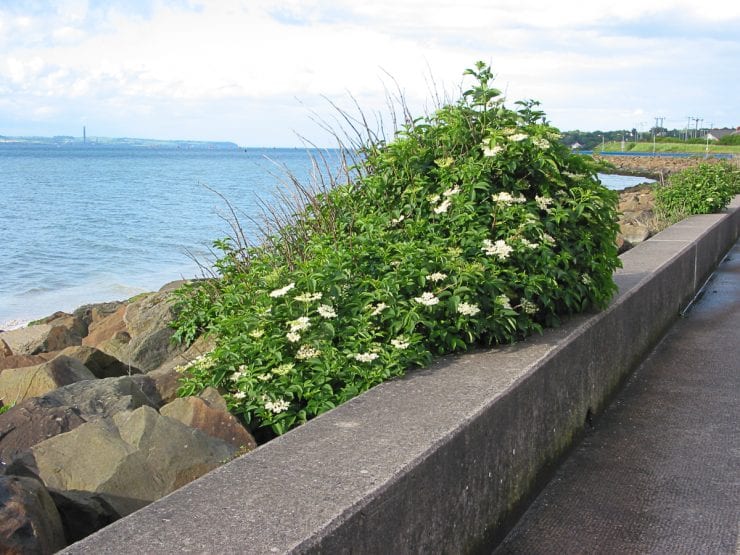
point(128, 142)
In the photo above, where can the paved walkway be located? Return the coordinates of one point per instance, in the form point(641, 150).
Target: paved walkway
point(660, 472)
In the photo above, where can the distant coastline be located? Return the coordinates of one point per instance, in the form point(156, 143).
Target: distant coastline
point(67, 140)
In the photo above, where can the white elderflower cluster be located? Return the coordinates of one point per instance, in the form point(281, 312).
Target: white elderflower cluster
point(400, 343)
point(517, 137)
point(467, 309)
point(299, 324)
point(504, 301)
point(275, 407)
point(528, 244)
point(308, 297)
point(507, 198)
point(283, 369)
point(365, 357)
point(293, 337)
point(436, 276)
point(499, 249)
point(442, 207)
point(282, 291)
point(203, 361)
point(542, 143)
point(543, 203)
point(326, 311)
point(239, 395)
point(528, 307)
point(489, 151)
point(427, 299)
point(451, 191)
point(240, 373)
point(256, 334)
point(547, 239)
point(306, 352)
point(378, 308)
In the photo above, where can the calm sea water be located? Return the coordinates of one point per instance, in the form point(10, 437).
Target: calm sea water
point(90, 224)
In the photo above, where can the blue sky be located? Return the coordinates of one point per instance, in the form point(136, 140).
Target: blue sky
point(258, 72)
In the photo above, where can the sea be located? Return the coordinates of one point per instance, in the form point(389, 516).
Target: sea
point(89, 223)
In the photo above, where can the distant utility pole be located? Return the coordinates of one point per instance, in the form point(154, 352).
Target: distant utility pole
point(688, 126)
point(84, 134)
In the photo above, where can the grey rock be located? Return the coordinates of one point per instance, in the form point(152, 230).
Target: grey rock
point(17, 384)
point(97, 399)
point(42, 338)
point(130, 459)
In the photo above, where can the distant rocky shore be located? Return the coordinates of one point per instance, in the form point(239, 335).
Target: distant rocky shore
point(656, 167)
point(92, 428)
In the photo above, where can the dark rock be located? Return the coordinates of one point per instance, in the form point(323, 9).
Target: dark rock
point(101, 364)
point(29, 520)
point(33, 421)
point(82, 513)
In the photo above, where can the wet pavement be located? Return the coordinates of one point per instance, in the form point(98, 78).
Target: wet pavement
point(660, 470)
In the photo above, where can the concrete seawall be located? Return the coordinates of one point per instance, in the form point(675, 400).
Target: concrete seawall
point(446, 458)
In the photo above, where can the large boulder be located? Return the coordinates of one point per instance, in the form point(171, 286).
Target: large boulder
point(17, 384)
point(129, 460)
point(101, 364)
point(33, 421)
point(98, 399)
point(91, 314)
point(139, 333)
point(22, 361)
point(61, 410)
point(196, 412)
point(43, 338)
point(29, 520)
point(106, 326)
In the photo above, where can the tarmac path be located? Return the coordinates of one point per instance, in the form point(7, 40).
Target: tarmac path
point(660, 471)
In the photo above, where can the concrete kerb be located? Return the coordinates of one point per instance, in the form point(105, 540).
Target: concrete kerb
point(445, 458)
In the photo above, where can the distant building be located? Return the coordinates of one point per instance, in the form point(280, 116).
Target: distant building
point(576, 146)
point(717, 134)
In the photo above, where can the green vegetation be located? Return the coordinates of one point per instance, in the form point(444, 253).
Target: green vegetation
point(703, 189)
point(700, 148)
point(474, 226)
point(730, 140)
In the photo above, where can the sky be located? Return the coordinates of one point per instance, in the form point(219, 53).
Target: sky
point(271, 72)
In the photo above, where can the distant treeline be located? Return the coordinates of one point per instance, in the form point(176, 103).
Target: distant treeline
point(589, 140)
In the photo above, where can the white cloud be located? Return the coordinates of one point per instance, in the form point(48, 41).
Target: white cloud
point(592, 64)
